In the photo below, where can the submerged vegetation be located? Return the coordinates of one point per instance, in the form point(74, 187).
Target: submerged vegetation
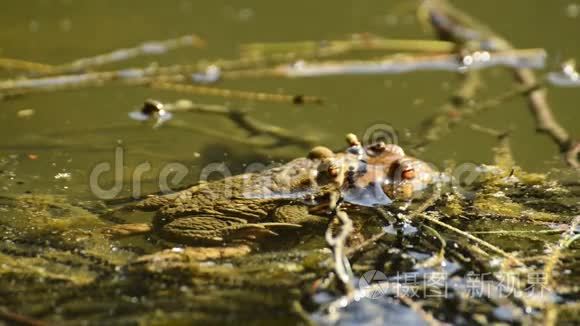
point(55, 272)
point(486, 243)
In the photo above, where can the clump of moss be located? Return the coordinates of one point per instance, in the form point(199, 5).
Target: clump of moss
point(531, 178)
point(500, 205)
point(497, 205)
point(49, 214)
point(451, 206)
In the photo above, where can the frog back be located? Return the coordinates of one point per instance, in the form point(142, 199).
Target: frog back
point(252, 196)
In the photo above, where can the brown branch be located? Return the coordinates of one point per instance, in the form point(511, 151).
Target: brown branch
point(572, 155)
point(457, 25)
point(450, 114)
point(244, 121)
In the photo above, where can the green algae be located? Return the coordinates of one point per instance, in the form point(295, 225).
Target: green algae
point(85, 274)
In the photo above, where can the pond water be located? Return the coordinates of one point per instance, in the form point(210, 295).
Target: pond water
point(61, 31)
point(54, 150)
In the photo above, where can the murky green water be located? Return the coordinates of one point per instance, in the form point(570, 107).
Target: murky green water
point(60, 31)
point(72, 131)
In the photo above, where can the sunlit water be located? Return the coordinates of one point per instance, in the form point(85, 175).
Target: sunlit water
point(54, 150)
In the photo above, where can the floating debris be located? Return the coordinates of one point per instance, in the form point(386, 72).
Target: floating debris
point(253, 127)
point(573, 10)
point(63, 175)
point(567, 77)
point(211, 75)
point(26, 113)
point(152, 110)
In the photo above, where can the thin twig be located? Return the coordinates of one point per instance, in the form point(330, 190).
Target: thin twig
point(146, 48)
point(237, 94)
point(397, 64)
point(24, 65)
point(451, 113)
point(435, 260)
point(356, 42)
point(473, 238)
point(302, 314)
point(338, 243)
point(424, 206)
point(567, 238)
point(550, 309)
point(243, 120)
point(510, 232)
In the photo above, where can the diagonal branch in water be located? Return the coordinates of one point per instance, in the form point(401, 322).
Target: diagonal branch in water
point(24, 65)
point(400, 63)
point(449, 115)
point(451, 23)
point(146, 48)
point(356, 42)
point(469, 236)
point(237, 94)
point(243, 120)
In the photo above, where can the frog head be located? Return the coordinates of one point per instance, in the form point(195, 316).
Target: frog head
point(379, 173)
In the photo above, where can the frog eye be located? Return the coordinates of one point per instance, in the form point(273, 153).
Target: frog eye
point(333, 170)
point(402, 170)
point(408, 174)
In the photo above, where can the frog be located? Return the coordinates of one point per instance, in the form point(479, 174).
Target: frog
point(252, 207)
